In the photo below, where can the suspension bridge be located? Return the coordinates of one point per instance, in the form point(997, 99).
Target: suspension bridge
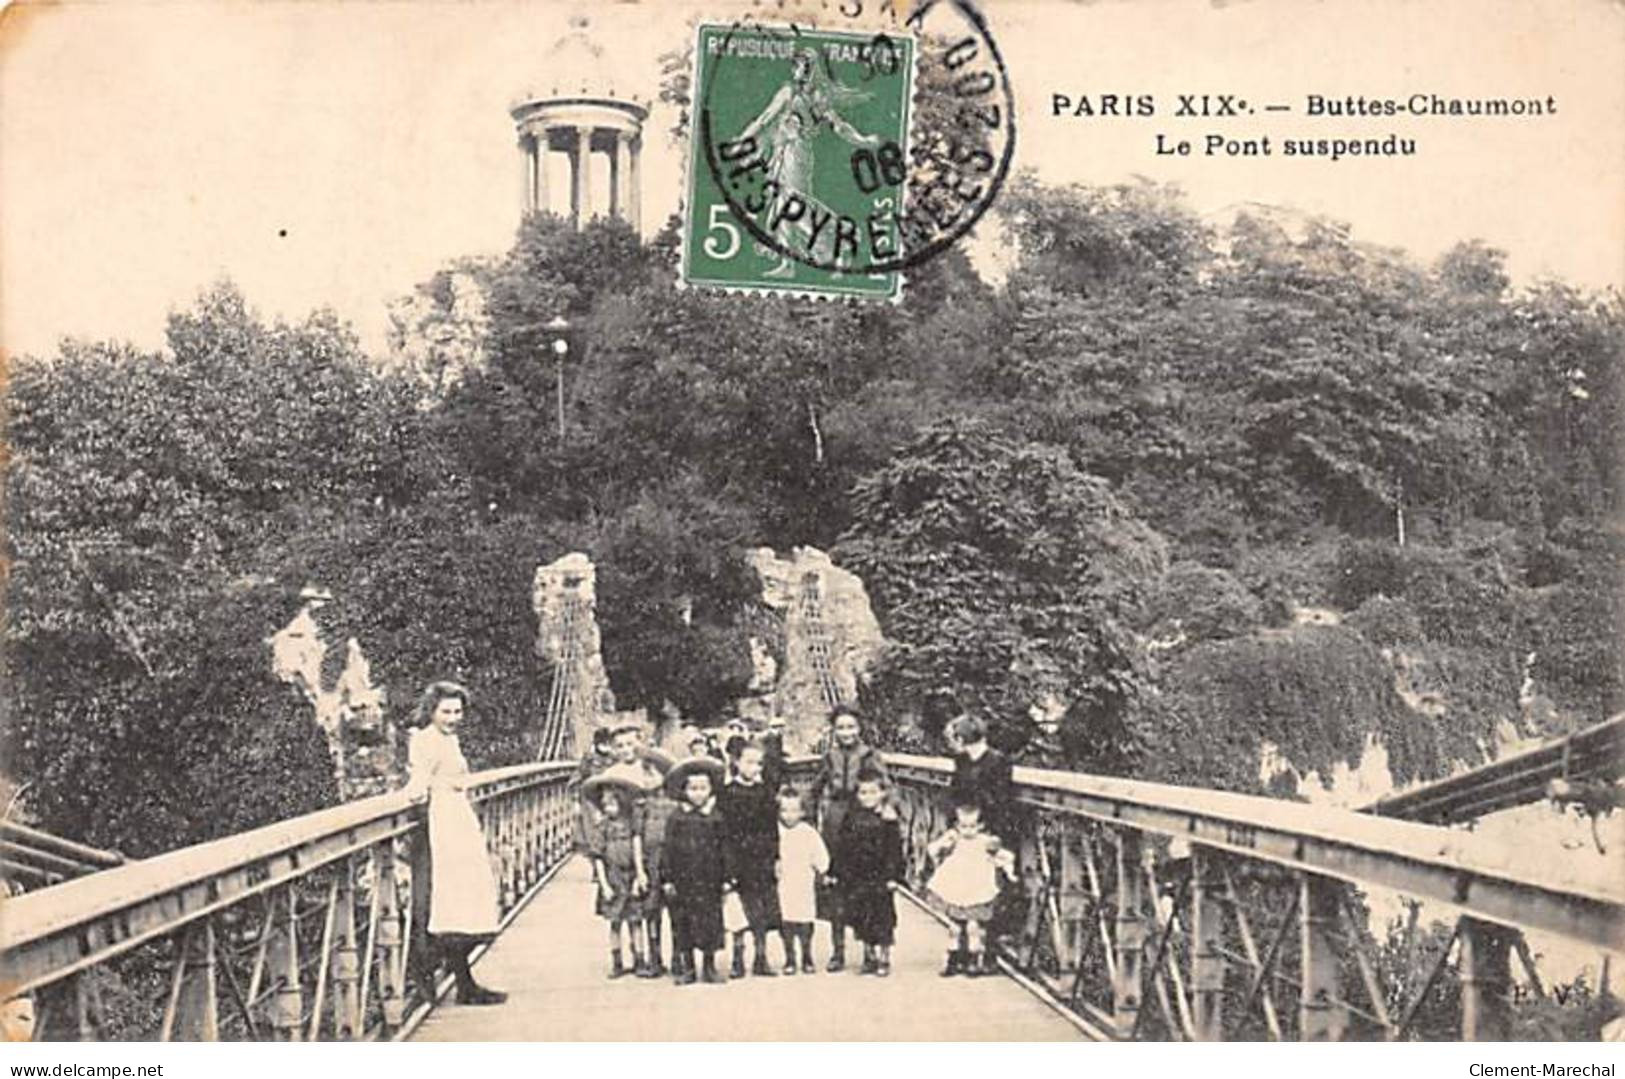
point(1151, 912)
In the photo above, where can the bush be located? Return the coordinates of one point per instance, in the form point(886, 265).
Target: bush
point(1287, 577)
point(999, 570)
point(1206, 604)
point(1365, 569)
point(1317, 692)
point(1385, 622)
point(1461, 596)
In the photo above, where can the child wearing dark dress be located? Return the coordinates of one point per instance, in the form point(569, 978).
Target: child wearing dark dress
point(844, 759)
point(695, 871)
point(615, 842)
point(750, 815)
point(866, 864)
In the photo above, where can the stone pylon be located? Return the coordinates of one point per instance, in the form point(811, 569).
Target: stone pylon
point(830, 639)
point(361, 739)
point(565, 601)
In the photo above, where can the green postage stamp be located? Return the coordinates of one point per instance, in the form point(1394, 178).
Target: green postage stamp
point(798, 160)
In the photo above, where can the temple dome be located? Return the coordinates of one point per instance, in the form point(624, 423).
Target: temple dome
point(578, 67)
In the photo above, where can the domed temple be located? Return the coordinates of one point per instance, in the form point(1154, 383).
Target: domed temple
point(582, 111)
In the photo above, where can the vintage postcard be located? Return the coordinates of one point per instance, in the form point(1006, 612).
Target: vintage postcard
point(815, 521)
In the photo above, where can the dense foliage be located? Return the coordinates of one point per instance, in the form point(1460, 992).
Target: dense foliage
point(1116, 479)
point(1002, 574)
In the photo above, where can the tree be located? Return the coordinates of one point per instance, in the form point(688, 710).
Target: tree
point(1001, 572)
point(144, 492)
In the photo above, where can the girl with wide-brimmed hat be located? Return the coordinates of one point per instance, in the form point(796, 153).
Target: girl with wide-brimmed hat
point(615, 846)
point(645, 768)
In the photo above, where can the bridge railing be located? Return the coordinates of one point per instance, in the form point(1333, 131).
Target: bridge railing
point(1152, 911)
point(296, 931)
point(1155, 911)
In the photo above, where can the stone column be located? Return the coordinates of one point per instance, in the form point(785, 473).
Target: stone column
point(527, 175)
point(621, 177)
point(634, 191)
point(583, 175)
point(575, 181)
point(538, 158)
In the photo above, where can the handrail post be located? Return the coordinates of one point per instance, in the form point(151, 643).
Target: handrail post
point(1486, 975)
point(391, 977)
point(288, 1004)
point(1322, 1015)
point(87, 1011)
point(529, 862)
point(1130, 942)
point(1207, 958)
point(1073, 899)
point(197, 1015)
point(346, 968)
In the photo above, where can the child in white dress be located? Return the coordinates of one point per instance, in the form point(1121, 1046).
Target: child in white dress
point(969, 862)
point(802, 859)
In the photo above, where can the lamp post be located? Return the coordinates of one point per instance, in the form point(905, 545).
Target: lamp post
point(558, 343)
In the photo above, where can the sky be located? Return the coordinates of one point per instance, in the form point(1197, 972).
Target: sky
point(324, 153)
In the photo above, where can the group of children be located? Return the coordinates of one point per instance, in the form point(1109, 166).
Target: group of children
point(726, 849)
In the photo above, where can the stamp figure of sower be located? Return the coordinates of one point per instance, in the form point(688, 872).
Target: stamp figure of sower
point(808, 103)
point(797, 164)
point(804, 175)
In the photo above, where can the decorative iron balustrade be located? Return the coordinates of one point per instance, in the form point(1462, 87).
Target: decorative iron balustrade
point(1150, 911)
point(1179, 913)
point(300, 930)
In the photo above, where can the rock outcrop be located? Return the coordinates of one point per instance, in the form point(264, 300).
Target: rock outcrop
point(437, 333)
point(362, 741)
point(830, 640)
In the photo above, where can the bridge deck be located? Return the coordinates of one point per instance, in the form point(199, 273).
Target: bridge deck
point(552, 961)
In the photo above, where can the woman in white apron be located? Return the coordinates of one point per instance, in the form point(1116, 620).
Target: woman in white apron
point(462, 886)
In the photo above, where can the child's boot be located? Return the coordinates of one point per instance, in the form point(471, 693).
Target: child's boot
point(868, 966)
point(640, 966)
point(807, 964)
point(950, 967)
point(738, 969)
point(788, 939)
point(712, 976)
point(617, 968)
point(759, 966)
point(883, 961)
point(837, 954)
point(973, 965)
point(682, 968)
